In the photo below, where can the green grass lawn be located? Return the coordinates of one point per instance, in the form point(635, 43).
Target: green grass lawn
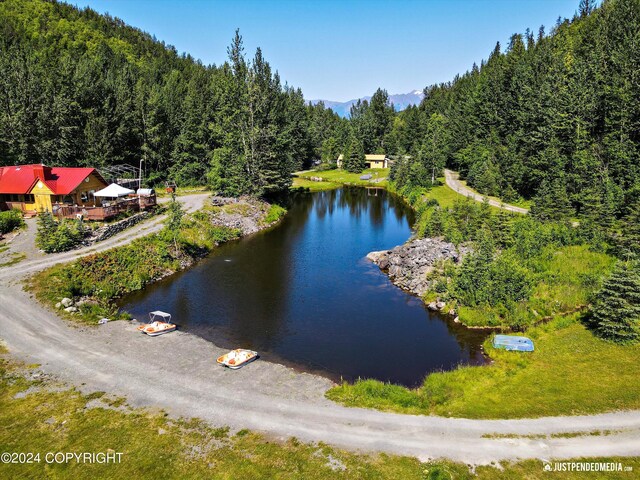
point(346, 178)
point(571, 372)
point(445, 196)
point(155, 446)
point(313, 186)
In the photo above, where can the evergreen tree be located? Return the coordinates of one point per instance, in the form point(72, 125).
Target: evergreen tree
point(175, 214)
point(552, 201)
point(502, 228)
point(471, 285)
point(354, 159)
point(616, 310)
point(628, 240)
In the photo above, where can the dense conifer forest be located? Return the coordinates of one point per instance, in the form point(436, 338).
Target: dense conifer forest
point(80, 88)
point(554, 116)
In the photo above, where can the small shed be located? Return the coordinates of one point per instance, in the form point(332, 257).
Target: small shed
point(513, 342)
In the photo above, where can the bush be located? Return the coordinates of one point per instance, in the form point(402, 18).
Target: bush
point(274, 214)
point(10, 220)
point(59, 236)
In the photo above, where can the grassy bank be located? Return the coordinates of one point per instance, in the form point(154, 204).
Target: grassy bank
point(441, 193)
point(558, 274)
point(563, 280)
point(520, 202)
point(571, 372)
point(342, 177)
point(313, 186)
point(99, 279)
point(39, 416)
point(181, 191)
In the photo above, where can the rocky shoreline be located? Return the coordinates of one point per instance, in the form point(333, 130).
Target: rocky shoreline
point(408, 265)
point(245, 213)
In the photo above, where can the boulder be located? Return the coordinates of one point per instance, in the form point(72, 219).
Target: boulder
point(408, 265)
point(433, 306)
point(440, 305)
point(58, 305)
point(66, 302)
point(71, 309)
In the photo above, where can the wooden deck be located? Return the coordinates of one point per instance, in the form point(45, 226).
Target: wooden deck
point(107, 211)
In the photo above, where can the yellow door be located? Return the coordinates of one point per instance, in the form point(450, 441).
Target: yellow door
point(43, 203)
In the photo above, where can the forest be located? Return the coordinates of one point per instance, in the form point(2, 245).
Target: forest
point(80, 88)
point(553, 117)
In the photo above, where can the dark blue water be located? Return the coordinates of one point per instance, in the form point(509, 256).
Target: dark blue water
point(304, 294)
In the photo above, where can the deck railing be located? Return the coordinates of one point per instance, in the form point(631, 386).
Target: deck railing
point(108, 210)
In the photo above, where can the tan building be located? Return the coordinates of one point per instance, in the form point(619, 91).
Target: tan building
point(371, 161)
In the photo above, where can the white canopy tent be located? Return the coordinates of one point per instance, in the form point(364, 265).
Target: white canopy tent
point(113, 191)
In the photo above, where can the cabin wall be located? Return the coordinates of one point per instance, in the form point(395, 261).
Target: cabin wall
point(91, 184)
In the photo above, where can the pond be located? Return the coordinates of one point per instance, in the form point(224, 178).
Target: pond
point(303, 294)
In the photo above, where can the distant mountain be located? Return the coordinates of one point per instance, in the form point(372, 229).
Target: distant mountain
point(400, 102)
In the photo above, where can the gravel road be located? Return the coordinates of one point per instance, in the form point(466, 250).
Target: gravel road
point(453, 182)
point(177, 372)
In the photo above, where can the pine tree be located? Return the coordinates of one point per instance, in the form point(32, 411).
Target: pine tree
point(552, 202)
point(629, 239)
point(502, 228)
point(471, 284)
point(354, 159)
point(174, 219)
point(47, 227)
point(616, 309)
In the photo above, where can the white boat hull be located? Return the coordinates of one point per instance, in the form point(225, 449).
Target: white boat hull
point(155, 334)
point(240, 357)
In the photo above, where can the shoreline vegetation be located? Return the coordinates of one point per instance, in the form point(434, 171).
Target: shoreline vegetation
point(533, 384)
point(335, 178)
point(92, 283)
point(190, 448)
point(563, 273)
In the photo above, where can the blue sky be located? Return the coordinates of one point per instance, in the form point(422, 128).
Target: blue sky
point(339, 50)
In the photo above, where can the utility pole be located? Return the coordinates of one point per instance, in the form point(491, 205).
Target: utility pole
point(140, 174)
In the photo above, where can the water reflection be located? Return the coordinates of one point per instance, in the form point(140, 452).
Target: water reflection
point(303, 293)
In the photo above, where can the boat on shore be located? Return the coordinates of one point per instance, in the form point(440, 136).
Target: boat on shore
point(513, 343)
point(237, 358)
point(159, 323)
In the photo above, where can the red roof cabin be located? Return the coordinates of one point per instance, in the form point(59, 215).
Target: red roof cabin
point(38, 188)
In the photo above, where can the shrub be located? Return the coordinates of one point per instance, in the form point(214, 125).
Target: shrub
point(10, 220)
point(274, 214)
point(60, 236)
